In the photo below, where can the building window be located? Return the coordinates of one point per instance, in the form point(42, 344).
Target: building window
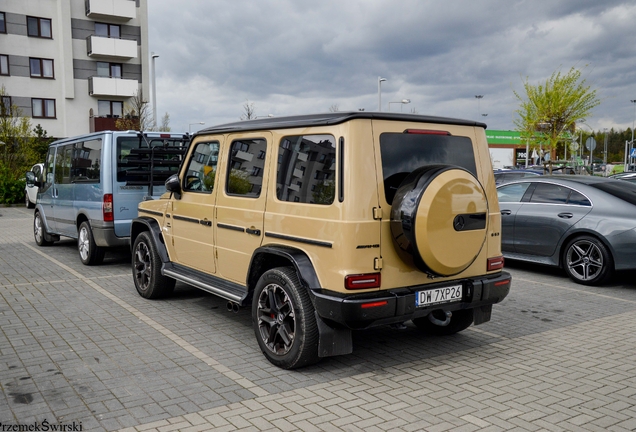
point(41, 68)
point(261, 154)
point(39, 27)
point(107, 30)
point(110, 108)
point(112, 70)
point(5, 106)
point(3, 25)
point(43, 108)
point(4, 64)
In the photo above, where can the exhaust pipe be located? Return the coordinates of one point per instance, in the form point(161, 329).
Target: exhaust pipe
point(232, 307)
point(438, 322)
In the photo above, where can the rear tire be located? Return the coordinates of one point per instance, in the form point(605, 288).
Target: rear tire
point(587, 261)
point(89, 252)
point(146, 268)
point(284, 319)
point(460, 320)
point(39, 231)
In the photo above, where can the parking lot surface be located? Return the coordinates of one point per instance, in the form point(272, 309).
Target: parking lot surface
point(79, 348)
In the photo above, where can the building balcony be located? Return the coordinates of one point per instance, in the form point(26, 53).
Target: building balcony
point(298, 173)
point(244, 156)
point(110, 47)
point(106, 86)
point(118, 10)
point(303, 157)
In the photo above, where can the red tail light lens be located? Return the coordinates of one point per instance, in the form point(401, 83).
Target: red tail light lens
point(495, 263)
point(107, 208)
point(426, 132)
point(362, 281)
point(374, 304)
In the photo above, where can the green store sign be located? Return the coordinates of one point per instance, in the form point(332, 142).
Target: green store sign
point(503, 137)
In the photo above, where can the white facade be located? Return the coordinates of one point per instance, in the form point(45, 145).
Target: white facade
point(99, 50)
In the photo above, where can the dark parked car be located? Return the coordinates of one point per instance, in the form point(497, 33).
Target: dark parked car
point(627, 176)
point(508, 175)
point(584, 224)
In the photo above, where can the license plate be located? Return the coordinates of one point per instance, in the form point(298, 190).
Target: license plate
point(438, 296)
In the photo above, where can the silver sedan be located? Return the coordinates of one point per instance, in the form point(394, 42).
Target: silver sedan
point(584, 224)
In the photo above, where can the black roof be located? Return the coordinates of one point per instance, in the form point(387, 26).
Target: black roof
point(331, 118)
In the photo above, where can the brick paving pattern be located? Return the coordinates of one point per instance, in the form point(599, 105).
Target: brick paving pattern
point(78, 344)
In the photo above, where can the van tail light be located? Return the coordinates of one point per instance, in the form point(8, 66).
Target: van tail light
point(495, 263)
point(107, 208)
point(362, 281)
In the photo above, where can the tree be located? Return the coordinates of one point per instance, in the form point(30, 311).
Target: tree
point(165, 123)
point(334, 108)
point(137, 114)
point(549, 110)
point(249, 112)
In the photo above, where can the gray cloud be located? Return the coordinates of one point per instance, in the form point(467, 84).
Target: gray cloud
point(298, 57)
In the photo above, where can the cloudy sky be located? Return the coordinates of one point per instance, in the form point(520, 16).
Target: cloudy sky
point(299, 57)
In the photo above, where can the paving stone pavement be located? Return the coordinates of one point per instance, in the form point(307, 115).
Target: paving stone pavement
point(79, 347)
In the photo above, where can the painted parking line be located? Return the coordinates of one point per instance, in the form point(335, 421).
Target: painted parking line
point(553, 285)
point(227, 372)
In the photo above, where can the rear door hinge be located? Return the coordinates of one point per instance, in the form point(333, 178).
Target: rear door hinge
point(377, 264)
point(377, 213)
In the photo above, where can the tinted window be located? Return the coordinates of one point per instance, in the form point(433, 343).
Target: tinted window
point(87, 162)
point(578, 199)
point(402, 153)
point(135, 168)
point(306, 169)
point(201, 170)
point(242, 178)
point(550, 193)
point(63, 162)
point(513, 192)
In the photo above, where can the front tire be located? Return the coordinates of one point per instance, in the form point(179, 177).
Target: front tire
point(460, 320)
point(587, 261)
point(39, 231)
point(146, 268)
point(89, 252)
point(284, 319)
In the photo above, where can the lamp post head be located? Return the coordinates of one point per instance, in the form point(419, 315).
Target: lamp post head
point(406, 101)
point(380, 79)
point(153, 55)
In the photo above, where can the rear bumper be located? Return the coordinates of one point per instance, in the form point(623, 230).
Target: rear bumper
point(104, 236)
point(398, 305)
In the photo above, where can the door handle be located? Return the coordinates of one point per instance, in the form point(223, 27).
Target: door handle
point(565, 215)
point(506, 212)
point(253, 231)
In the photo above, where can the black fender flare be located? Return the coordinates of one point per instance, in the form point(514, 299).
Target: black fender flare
point(144, 223)
point(299, 259)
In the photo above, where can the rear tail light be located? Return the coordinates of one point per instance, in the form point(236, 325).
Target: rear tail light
point(107, 208)
point(362, 281)
point(374, 304)
point(495, 263)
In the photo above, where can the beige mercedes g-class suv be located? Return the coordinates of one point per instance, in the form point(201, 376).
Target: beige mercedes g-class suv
point(328, 223)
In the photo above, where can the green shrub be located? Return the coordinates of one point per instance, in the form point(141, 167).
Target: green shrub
point(11, 189)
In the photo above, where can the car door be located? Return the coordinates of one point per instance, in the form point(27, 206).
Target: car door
point(510, 201)
point(240, 205)
point(63, 192)
point(192, 216)
point(550, 212)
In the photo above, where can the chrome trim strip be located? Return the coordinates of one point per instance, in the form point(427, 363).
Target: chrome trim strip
point(219, 292)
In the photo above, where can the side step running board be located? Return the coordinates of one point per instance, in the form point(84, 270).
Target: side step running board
point(217, 286)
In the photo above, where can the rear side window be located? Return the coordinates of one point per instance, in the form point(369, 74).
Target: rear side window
point(550, 193)
point(306, 169)
point(404, 152)
point(133, 168)
point(87, 162)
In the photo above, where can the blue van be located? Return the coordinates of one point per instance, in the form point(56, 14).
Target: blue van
point(91, 185)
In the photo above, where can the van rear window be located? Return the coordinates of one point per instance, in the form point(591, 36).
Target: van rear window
point(133, 162)
point(402, 153)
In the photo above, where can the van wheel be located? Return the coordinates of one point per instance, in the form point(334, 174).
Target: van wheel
point(146, 267)
point(284, 319)
point(460, 320)
point(89, 252)
point(39, 231)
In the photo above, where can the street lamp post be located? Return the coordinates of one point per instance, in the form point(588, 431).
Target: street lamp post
point(402, 102)
point(154, 89)
point(628, 158)
point(380, 79)
point(605, 151)
point(190, 126)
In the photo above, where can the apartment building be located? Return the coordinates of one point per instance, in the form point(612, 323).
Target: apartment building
point(71, 65)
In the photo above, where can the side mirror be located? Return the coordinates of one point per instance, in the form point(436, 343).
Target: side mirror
point(173, 185)
point(31, 179)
